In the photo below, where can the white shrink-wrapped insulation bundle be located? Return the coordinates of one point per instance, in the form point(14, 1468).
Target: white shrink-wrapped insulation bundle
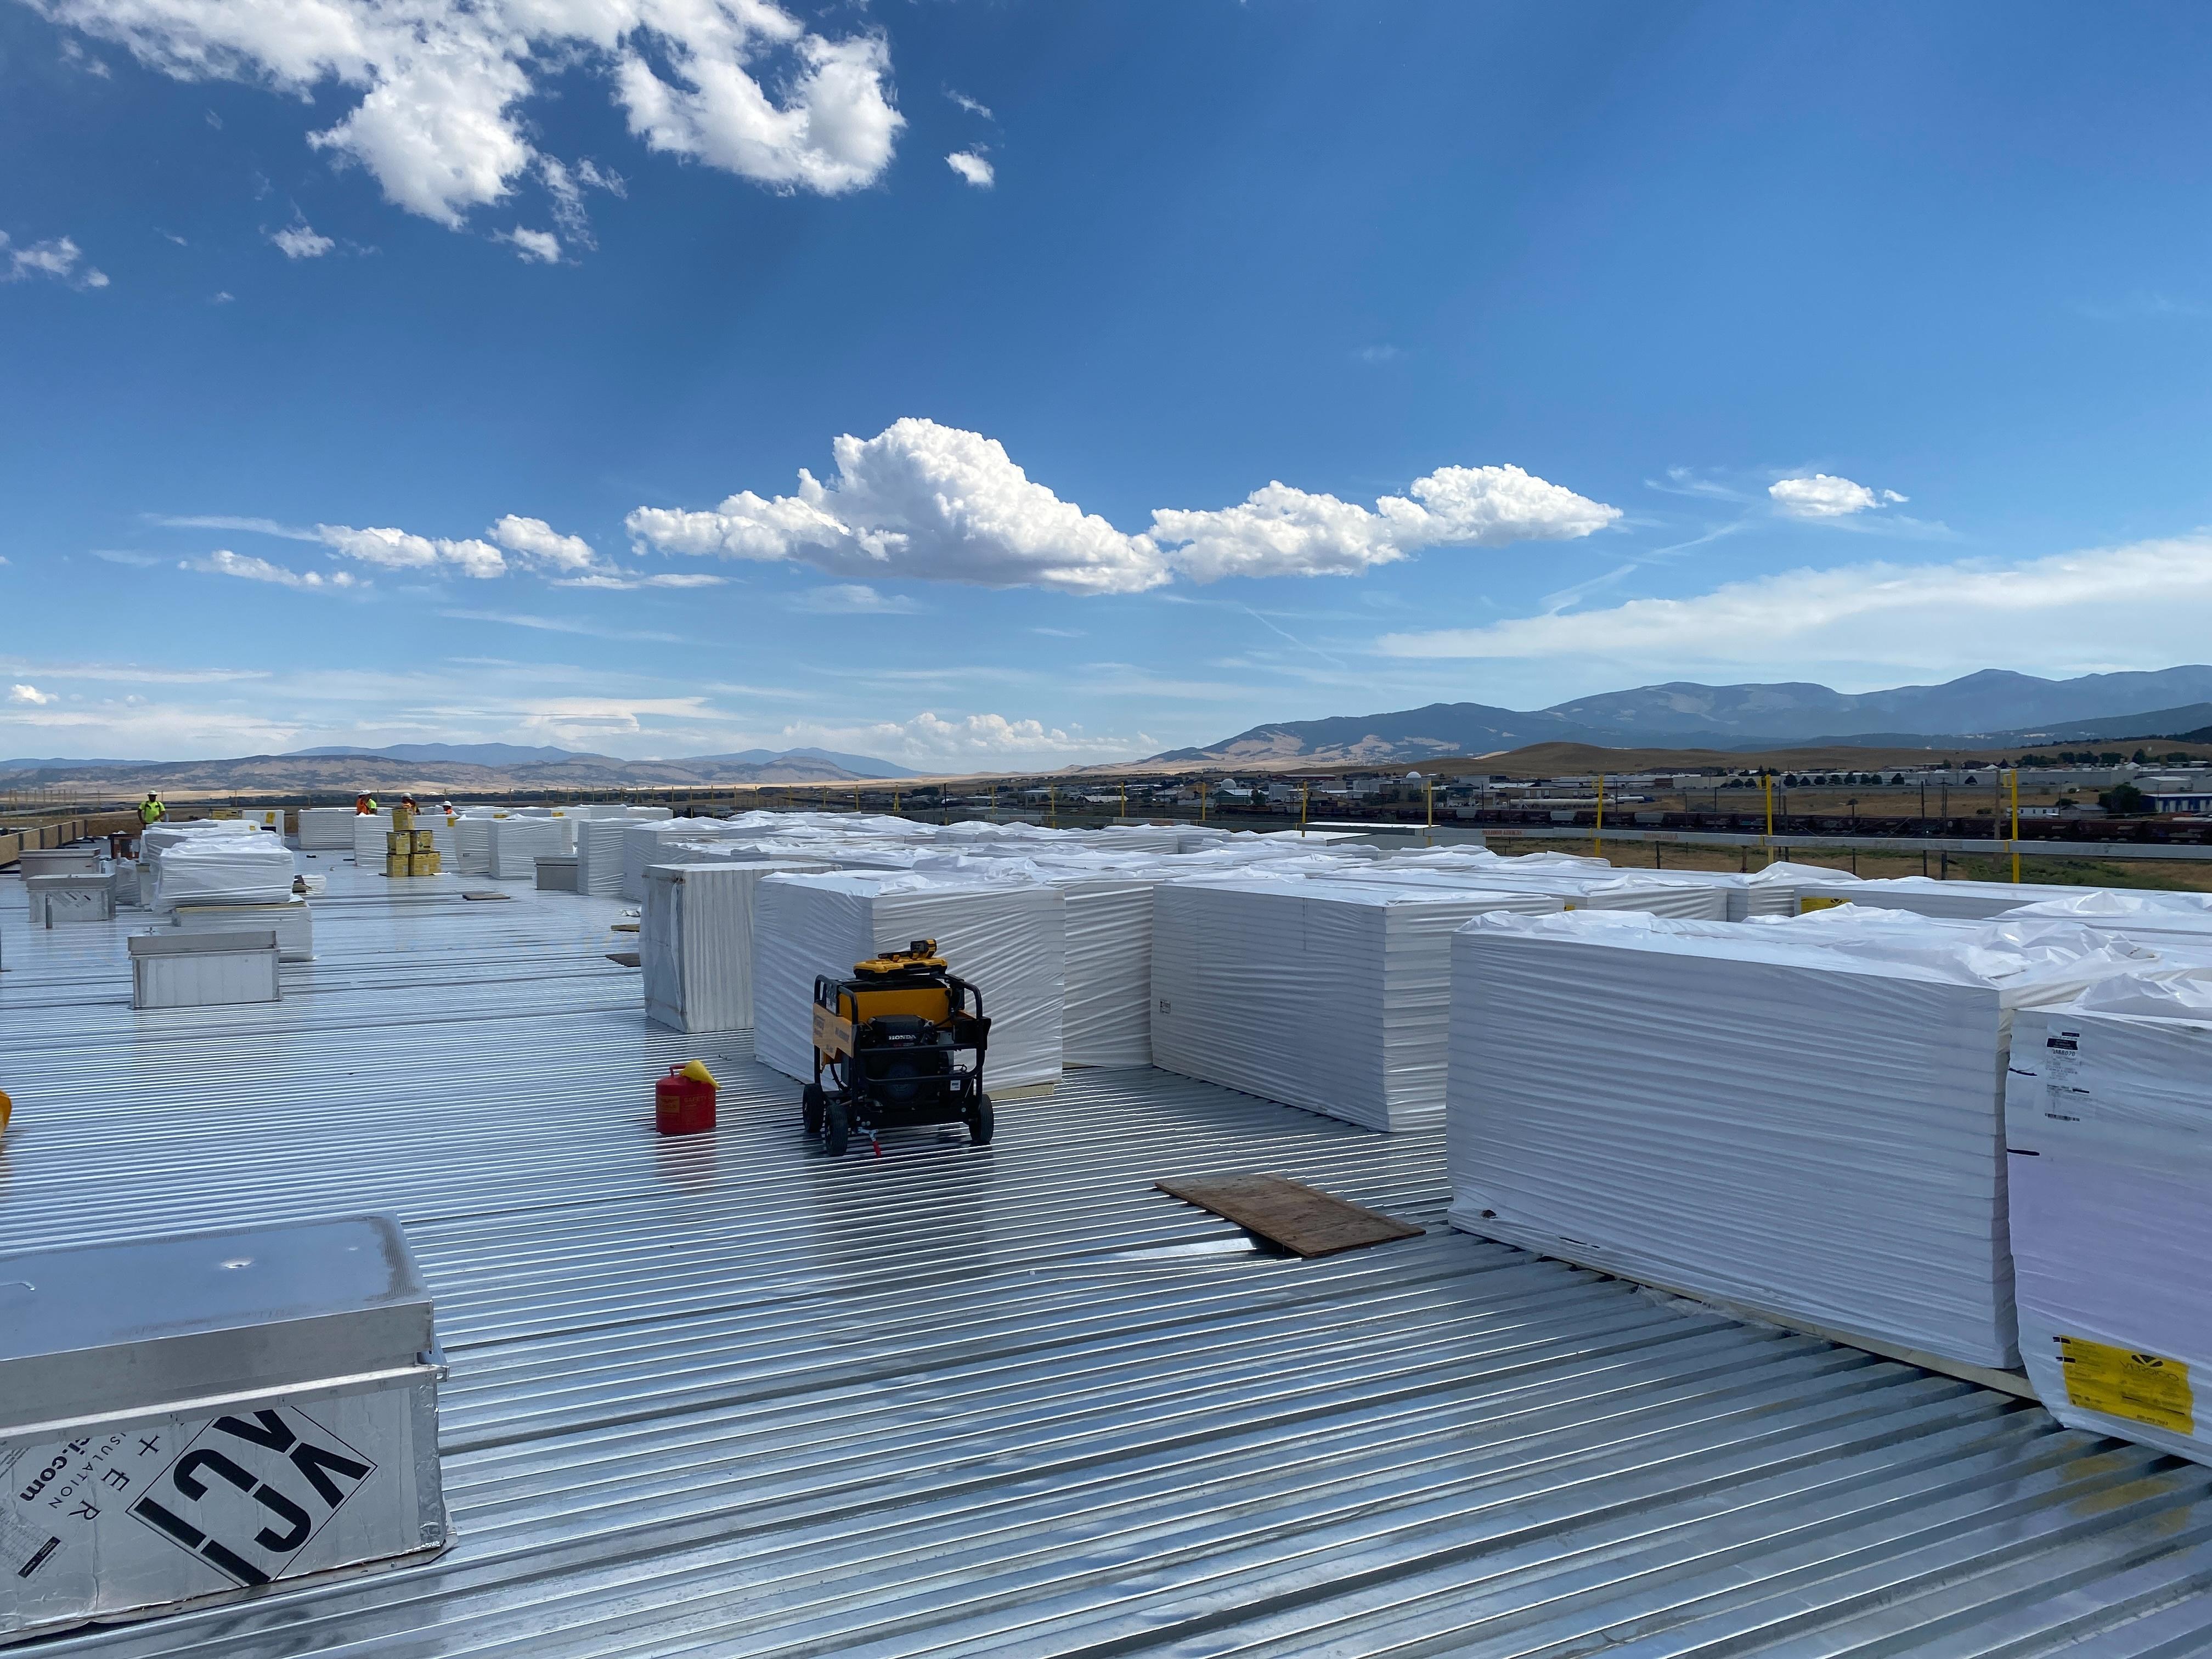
point(248, 869)
point(158, 839)
point(640, 842)
point(1598, 890)
point(1108, 1022)
point(696, 940)
point(2162, 920)
point(1803, 1117)
point(2108, 1124)
point(472, 844)
point(369, 829)
point(1007, 938)
point(599, 855)
point(326, 828)
point(1959, 900)
point(1332, 996)
point(518, 843)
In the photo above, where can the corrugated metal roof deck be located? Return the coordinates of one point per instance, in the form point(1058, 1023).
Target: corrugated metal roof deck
point(723, 1397)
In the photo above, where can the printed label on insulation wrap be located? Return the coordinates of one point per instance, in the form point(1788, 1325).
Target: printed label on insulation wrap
point(2142, 1388)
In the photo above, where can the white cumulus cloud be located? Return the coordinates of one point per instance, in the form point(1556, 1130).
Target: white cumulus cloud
point(396, 550)
point(741, 85)
point(940, 503)
point(301, 241)
point(918, 500)
point(224, 563)
point(543, 245)
point(971, 166)
point(2145, 605)
point(58, 257)
point(538, 540)
point(1824, 496)
point(1282, 532)
point(31, 695)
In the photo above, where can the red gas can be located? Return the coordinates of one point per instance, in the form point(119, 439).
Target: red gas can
point(684, 1101)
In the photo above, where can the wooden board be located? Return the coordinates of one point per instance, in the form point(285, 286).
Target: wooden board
point(487, 895)
point(1301, 1218)
point(627, 958)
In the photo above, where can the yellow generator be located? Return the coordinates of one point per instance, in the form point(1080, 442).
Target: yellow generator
point(900, 1041)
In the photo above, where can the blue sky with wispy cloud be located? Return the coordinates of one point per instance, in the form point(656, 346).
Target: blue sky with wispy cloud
point(1026, 383)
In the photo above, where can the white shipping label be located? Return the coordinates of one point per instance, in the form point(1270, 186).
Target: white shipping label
point(2060, 1067)
point(172, 1508)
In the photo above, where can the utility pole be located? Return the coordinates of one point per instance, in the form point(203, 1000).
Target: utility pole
point(1766, 789)
point(1304, 791)
point(1598, 843)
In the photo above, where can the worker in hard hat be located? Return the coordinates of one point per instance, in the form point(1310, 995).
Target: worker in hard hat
point(364, 803)
point(150, 812)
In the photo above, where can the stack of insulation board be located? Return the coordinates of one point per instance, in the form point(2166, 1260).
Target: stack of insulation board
point(642, 843)
point(1328, 995)
point(2108, 1124)
point(249, 869)
point(1007, 938)
point(1605, 889)
point(326, 828)
point(159, 838)
point(599, 841)
point(1960, 901)
point(369, 829)
point(472, 844)
point(518, 843)
point(2162, 920)
point(1802, 1117)
point(1108, 1021)
point(696, 940)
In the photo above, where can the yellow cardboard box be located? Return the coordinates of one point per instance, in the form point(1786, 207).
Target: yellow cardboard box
point(424, 842)
point(395, 865)
point(424, 863)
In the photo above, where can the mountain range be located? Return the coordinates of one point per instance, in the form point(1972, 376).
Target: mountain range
point(458, 768)
point(1994, 705)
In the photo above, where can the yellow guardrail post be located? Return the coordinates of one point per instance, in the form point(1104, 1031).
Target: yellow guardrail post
point(2013, 779)
point(1598, 843)
point(1305, 791)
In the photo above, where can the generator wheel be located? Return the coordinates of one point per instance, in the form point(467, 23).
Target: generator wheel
point(981, 1124)
point(810, 1103)
point(837, 1128)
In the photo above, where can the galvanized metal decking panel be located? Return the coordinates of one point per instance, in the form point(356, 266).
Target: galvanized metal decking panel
point(723, 1396)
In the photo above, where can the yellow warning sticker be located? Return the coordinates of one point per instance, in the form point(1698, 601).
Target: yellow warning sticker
point(2143, 1387)
point(1812, 902)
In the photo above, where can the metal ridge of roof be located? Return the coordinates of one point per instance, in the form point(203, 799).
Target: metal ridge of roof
point(721, 1396)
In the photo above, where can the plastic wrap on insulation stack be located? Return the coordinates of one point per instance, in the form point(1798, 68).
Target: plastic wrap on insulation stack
point(1595, 890)
point(1959, 900)
point(369, 829)
point(326, 828)
point(696, 940)
point(518, 843)
point(1008, 938)
point(642, 843)
point(2161, 919)
point(599, 855)
point(1108, 1021)
point(1332, 996)
point(158, 839)
point(1801, 1116)
point(252, 869)
point(2108, 1126)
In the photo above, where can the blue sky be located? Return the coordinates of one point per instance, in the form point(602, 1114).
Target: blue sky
point(1160, 368)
